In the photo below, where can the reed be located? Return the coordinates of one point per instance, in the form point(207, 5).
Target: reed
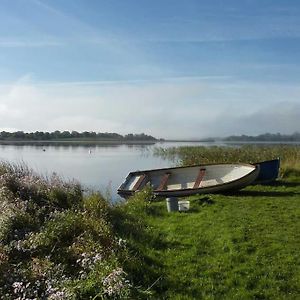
point(187, 155)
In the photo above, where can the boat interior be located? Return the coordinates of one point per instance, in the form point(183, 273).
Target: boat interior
point(186, 178)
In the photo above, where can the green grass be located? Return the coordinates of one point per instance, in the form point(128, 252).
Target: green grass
point(235, 246)
point(239, 246)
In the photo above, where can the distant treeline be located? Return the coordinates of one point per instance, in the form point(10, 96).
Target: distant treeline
point(67, 135)
point(267, 137)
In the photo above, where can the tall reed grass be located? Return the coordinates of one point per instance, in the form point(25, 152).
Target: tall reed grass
point(187, 155)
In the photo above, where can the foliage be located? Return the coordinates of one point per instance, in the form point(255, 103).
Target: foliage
point(131, 220)
point(56, 243)
point(67, 135)
point(266, 137)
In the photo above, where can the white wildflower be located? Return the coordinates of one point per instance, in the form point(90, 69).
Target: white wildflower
point(115, 282)
point(18, 287)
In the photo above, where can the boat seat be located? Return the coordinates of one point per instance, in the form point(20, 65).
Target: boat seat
point(163, 181)
point(199, 178)
point(138, 184)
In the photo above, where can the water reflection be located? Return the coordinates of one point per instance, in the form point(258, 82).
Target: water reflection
point(98, 167)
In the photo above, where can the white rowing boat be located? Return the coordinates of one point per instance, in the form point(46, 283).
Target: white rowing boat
point(185, 181)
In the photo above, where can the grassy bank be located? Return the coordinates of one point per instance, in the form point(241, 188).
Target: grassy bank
point(239, 246)
point(56, 243)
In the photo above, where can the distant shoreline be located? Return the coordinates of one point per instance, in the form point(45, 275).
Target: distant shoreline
point(135, 142)
point(73, 142)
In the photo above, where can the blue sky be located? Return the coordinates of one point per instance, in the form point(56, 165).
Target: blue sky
point(174, 69)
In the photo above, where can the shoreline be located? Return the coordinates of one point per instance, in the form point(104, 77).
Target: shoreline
point(139, 142)
point(74, 142)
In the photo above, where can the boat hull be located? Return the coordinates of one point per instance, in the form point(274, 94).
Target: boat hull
point(268, 171)
point(186, 181)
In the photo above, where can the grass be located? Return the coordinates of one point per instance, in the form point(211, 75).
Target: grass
point(234, 246)
point(239, 246)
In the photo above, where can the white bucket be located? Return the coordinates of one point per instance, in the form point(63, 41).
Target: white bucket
point(183, 205)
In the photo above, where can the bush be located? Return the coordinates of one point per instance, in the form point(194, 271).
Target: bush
point(54, 242)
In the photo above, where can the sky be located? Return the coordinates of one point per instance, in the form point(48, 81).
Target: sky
point(174, 69)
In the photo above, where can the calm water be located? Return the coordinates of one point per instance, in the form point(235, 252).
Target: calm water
point(100, 167)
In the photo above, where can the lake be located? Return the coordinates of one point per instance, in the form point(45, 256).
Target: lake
point(98, 167)
point(101, 167)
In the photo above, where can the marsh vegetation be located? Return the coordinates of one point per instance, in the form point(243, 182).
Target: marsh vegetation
point(194, 155)
point(56, 243)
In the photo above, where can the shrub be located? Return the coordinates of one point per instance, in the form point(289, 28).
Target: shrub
point(96, 206)
point(54, 242)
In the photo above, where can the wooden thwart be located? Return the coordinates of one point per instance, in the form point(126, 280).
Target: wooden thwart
point(199, 178)
point(139, 182)
point(163, 181)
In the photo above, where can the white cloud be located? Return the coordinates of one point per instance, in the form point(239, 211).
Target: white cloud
point(170, 109)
